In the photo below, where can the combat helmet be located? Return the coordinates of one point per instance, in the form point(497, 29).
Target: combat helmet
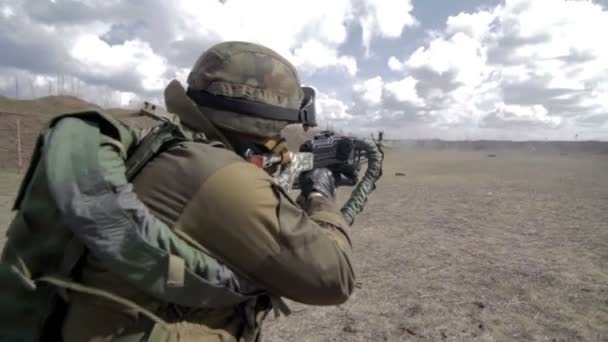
point(248, 88)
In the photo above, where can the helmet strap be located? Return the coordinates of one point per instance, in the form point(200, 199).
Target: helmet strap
point(279, 147)
point(269, 155)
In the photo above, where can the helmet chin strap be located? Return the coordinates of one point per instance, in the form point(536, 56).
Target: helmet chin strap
point(279, 147)
point(273, 152)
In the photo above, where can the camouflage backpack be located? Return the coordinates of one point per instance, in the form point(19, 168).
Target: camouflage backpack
point(41, 254)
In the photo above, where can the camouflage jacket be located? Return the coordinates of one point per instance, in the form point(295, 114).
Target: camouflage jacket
point(235, 212)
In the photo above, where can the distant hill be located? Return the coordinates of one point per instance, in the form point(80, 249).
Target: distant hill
point(48, 105)
point(22, 120)
point(548, 146)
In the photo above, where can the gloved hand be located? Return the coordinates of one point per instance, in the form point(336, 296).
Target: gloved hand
point(319, 181)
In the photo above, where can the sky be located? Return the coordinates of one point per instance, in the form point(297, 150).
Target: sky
point(431, 69)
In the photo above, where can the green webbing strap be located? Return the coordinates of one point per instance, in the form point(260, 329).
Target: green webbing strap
point(160, 137)
point(69, 285)
point(23, 273)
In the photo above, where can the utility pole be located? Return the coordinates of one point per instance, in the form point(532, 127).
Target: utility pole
point(32, 90)
point(19, 152)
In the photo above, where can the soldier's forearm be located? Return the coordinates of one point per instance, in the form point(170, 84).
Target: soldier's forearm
point(256, 228)
point(323, 211)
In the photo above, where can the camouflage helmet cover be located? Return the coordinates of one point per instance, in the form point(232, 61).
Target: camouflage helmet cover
point(246, 71)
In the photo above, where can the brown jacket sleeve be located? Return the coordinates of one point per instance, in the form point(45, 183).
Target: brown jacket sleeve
point(240, 216)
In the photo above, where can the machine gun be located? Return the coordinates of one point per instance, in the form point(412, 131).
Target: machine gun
point(339, 154)
point(343, 156)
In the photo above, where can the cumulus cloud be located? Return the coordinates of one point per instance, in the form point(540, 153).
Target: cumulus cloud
point(331, 109)
point(522, 64)
point(519, 115)
point(25, 84)
point(133, 46)
point(102, 60)
point(378, 104)
point(370, 91)
point(519, 69)
point(404, 91)
point(394, 64)
point(315, 28)
point(313, 56)
point(386, 18)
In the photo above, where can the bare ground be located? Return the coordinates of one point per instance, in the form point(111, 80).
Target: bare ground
point(467, 247)
point(9, 185)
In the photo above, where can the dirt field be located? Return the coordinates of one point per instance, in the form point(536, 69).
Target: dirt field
point(9, 184)
point(469, 247)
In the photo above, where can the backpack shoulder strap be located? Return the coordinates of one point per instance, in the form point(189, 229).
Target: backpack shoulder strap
point(157, 140)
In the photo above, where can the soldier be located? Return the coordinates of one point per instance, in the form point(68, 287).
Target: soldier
point(237, 241)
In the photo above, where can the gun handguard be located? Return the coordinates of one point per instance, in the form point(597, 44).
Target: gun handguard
point(367, 184)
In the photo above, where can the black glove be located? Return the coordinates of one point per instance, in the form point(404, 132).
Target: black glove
point(318, 180)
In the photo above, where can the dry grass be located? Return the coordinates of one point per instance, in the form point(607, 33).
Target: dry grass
point(9, 185)
point(467, 247)
point(45, 105)
point(33, 115)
